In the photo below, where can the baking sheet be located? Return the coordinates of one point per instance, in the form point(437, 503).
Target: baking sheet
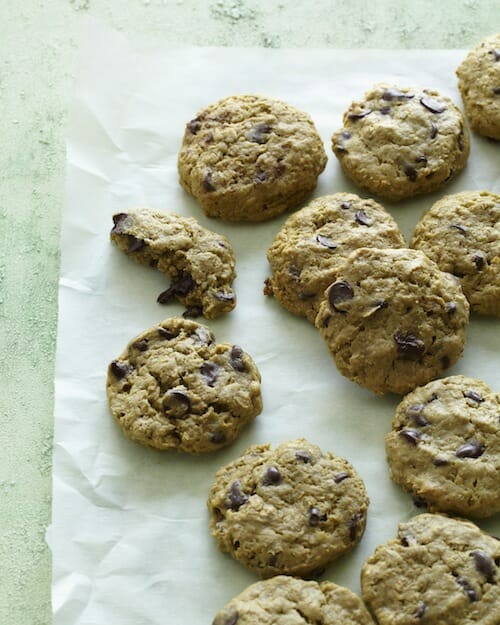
point(129, 534)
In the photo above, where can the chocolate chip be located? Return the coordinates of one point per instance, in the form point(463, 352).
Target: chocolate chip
point(411, 436)
point(496, 90)
point(142, 346)
point(422, 607)
point(258, 134)
point(271, 476)
point(460, 229)
point(192, 312)
point(224, 297)
point(340, 477)
point(377, 305)
point(484, 564)
point(207, 183)
point(346, 134)
point(407, 540)
point(272, 561)
point(394, 94)
point(236, 358)
point(410, 172)
point(166, 334)
point(385, 110)
point(434, 130)
point(180, 286)
point(314, 517)
point(360, 115)
point(440, 462)
point(362, 218)
point(119, 223)
point(353, 525)
point(176, 404)
point(472, 449)
point(304, 457)
point(134, 244)
point(432, 105)
point(326, 242)
point(415, 413)
point(469, 591)
point(120, 369)
point(451, 308)
point(496, 54)
point(203, 337)
point(260, 177)
point(217, 438)
point(479, 261)
point(209, 372)
point(232, 619)
point(345, 205)
point(339, 292)
point(474, 396)
point(409, 346)
point(194, 125)
point(421, 159)
point(237, 497)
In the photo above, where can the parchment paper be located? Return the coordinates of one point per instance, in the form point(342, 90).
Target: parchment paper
point(129, 535)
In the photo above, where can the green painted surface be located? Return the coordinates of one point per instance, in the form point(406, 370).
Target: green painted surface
point(38, 44)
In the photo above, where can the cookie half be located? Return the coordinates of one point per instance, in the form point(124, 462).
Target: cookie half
point(392, 320)
point(315, 240)
point(479, 84)
point(461, 233)
point(199, 262)
point(250, 158)
point(289, 510)
point(399, 142)
point(175, 388)
point(438, 570)
point(285, 600)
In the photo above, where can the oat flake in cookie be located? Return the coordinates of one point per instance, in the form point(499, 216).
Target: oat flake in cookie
point(250, 158)
point(479, 84)
point(315, 240)
point(175, 388)
point(461, 233)
point(289, 510)
point(444, 447)
point(285, 600)
point(199, 262)
point(392, 320)
point(400, 142)
point(438, 571)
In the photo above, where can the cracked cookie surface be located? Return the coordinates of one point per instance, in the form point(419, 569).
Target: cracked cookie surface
point(392, 320)
point(175, 388)
point(250, 158)
point(285, 600)
point(444, 447)
point(400, 142)
point(200, 263)
point(479, 85)
point(461, 234)
point(289, 510)
point(439, 570)
point(315, 240)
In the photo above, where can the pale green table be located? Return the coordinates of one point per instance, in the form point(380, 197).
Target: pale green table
point(38, 40)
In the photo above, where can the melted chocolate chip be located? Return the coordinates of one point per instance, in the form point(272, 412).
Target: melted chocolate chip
point(411, 436)
point(258, 134)
point(353, 525)
point(314, 517)
point(120, 369)
point(224, 297)
point(209, 372)
point(218, 438)
point(472, 449)
point(460, 229)
point(142, 346)
point(434, 130)
point(167, 334)
point(304, 457)
point(484, 564)
point(409, 346)
point(236, 358)
point(440, 462)
point(422, 607)
point(119, 223)
point(432, 105)
point(134, 244)
point(360, 115)
point(207, 183)
point(326, 242)
point(338, 293)
point(451, 308)
point(271, 476)
point(362, 218)
point(395, 94)
point(340, 477)
point(469, 591)
point(176, 404)
point(194, 126)
point(260, 177)
point(345, 205)
point(180, 286)
point(479, 261)
point(474, 396)
point(237, 497)
point(410, 172)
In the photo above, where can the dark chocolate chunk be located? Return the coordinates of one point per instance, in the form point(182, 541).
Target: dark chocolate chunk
point(326, 242)
point(395, 94)
point(474, 396)
point(451, 308)
point(472, 449)
point(339, 292)
point(314, 517)
point(271, 476)
point(258, 134)
point(410, 172)
point(362, 218)
point(479, 260)
point(176, 404)
point(345, 205)
point(434, 130)
point(180, 286)
point(207, 183)
point(209, 372)
point(167, 334)
point(340, 477)
point(237, 497)
point(217, 438)
point(440, 462)
point(194, 125)
point(496, 90)
point(224, 297)
point(142, 346)
point(360, 115)
point(260, 177)
point(134, 244)
point(304, 457)
point(422, 607)
point(120, 369)
point(119, 223)
point(484, 564)
point(236, 358)
point(409, 346)
point(432, 105)
point(353, 525)
point(460, 229)
point(469, 591)
point(411, 436)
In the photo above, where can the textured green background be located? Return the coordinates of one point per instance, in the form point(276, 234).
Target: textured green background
point(38, 45)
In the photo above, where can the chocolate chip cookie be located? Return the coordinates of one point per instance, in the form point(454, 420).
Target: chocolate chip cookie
point(175, 388)
point(438, 570)
point(285, 600)
point(444, 447)
point(392, 320)
point(250, 158)
point(288, 510)
point(199, 262)
point(479, 84)
point(461, 233)
point(399, 142)
point(315, 240)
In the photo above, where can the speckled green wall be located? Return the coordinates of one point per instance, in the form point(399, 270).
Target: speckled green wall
point(38, 41)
